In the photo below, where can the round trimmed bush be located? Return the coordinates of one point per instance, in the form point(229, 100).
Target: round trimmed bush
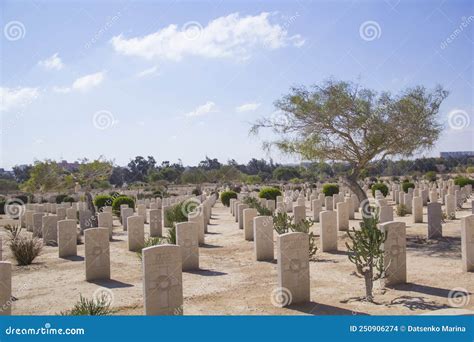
point(196, 192)
point(101, 201)
point(118, 201)
point(22, 198)
point(68, 199)
point(407, 185)
point(381, 187)
point(60, 198)
point(269, 193)
point(463, 181)
point(330, 189)
point(226, 196)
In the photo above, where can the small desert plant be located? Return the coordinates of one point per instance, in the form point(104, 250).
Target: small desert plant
point(90, 307)
point(269, 193)
point(149, 242)
point(283, 223)
point(407, 185)
point(226, 196)
point(24, 247)
point(366, 252)
point(430, 176)
point(118, 201)
point(402, 210)
point(171, 235)
point(330, 189)
point(179, 212)
point(255, 204)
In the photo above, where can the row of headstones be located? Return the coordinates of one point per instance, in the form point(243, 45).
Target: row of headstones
point(260, 230)
point(97, 257)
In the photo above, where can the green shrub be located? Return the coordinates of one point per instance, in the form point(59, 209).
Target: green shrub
point(269, 193)
point(401, 210)
point(118, 201)
point(149, 242)
point(114, 194)
point(330, 189)
point(91, 307)
point(254, 203)
point(463, 181)
point(381, 187)
point(196, 192)
point(24, 248)
point(430, 176)
point(21, 198)
point(60, 198)
point(226, 196)
point(179, 212)
point(101, 201)
point(407, 185)
point(68, 199)
point(2, 207)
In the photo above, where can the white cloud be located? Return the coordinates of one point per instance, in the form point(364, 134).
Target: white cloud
point(148, 72)
point(52, 63)
point(247, 107)
point(13, 98)
point(62, 90)
point(208, 107)
point(231, 36)
point(87, 82)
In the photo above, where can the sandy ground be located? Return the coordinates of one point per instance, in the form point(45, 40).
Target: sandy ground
point(231, 282)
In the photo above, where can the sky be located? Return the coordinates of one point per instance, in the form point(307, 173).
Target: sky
point(179, 80)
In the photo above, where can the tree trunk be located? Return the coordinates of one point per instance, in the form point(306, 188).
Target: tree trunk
point(90, 205)
point(368, 275)
point(351, 182)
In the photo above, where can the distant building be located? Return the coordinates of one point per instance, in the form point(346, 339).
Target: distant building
point(456, 154)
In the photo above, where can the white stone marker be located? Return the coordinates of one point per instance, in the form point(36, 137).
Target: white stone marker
point(450, 206)
point(5, 288)
point(467, 243)
point(61, 213)
point(316, 208)
point(71, 214)
point(198, 218)
point(187, 239)
point(97, 253)
point(249, 215)
point(141, 211)
point(50, 230)
point(125, 213)
point(37, 221)
point(67, 238)
point(156, 224)
point(328, 203)
point(240, 214)
point(136, 233)
point(394, 253)
point(342, 216)
point(328, 220)
point(417, 209)
point(386, 214)
point(105, 220)
point(263, 236)
point(299, 213)
point(162, 280)
point(435, 230)
point(293, 266)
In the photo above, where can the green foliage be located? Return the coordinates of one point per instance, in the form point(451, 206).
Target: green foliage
point(226, 196)
point(463, 181)
point(171, 235)
point(401, 210)
point(269, 193)
point(366, 252)
point(7, 185)
point(196, 192)
point(179, 212)
point(60, 198)
point(383, 188)
point(68, 199)
point(285, 173)
point(91, 307)
point(284, 223)
point(149, 242)
point(118, 201)
point(2, 207)
point(330, 189)
point(23, 247)
point(430, 176)
point(407, 185)
point(254, 203)
point(103, 201)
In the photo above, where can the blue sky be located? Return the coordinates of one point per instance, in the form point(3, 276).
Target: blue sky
point(184, 79)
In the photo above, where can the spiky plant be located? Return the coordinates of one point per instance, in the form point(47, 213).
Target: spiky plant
point(23, 247)
point(254, 203)
point(366, 252)
point(151, 241)
point(90, 307)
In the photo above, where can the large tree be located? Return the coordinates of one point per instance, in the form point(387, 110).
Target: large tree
point(341, 121)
